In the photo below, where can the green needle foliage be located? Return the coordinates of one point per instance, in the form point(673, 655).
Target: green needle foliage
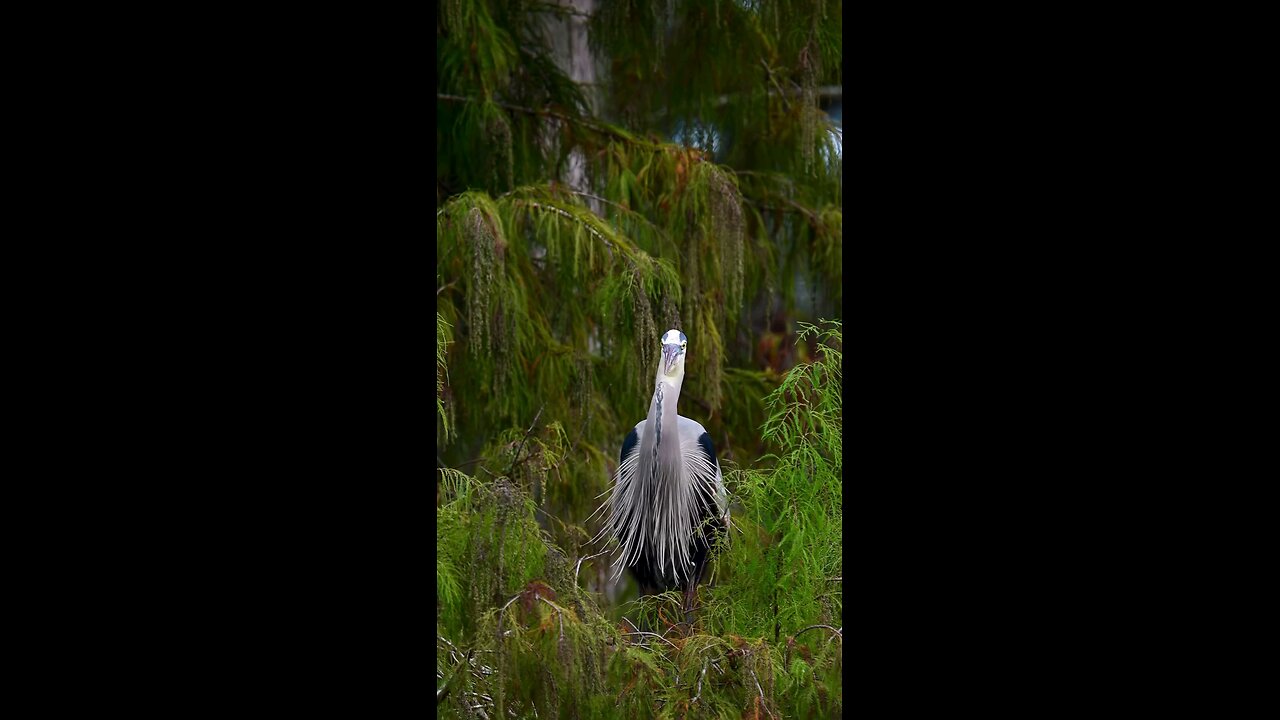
point(708, 183)
point(517, 634)
point(695, 186)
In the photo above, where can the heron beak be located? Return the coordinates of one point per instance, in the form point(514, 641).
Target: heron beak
point(670, 356)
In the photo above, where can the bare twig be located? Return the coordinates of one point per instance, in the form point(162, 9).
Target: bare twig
point(526, 437)
point(603, 200)
point(813, 217)
point(763, 702)
point(654, 635)
point(598, 127)
point(836, 579)
point(503, 610)
point(781, 93)
point(700, 677)
point(446, 640)
point(563, 524)
point(446, 287)
point(443, 691)
point(811, 627)
point(579, 565)
point(517, 108)
point(559, 612)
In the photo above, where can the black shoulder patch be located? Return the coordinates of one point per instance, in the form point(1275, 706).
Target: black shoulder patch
point(629, 443)
point(704, 441)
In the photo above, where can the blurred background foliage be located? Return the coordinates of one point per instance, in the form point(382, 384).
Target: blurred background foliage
point(606, 171)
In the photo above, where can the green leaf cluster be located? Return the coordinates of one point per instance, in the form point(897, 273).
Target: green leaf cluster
point(518, 634)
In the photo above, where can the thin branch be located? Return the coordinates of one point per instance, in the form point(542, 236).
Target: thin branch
point(823, 91)
point(700, 677)
point(503, 610)
point(803, 210)
point(446, 287)
point(441, 637)
point(653, 634)
point(558, 211)
point(563, 524)
point(763, 702)
point(443, 691)
point(772, 175)
point(813, 627)
point(603, 200)
point(552, 113)
point(628, 211)
point(526, 437)
point(579, 565)
point(508, 106)
point(783, 93)
point(834, 92)
point(558, 612)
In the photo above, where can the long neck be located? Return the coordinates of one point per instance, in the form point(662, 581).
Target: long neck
point(662, 413)
point(666, 494)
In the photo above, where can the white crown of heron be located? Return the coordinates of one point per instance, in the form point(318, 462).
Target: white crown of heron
point(674, 343)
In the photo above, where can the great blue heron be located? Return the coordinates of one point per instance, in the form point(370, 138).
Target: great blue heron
point(668, 503)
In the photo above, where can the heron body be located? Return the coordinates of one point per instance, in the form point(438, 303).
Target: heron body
point(668, 503)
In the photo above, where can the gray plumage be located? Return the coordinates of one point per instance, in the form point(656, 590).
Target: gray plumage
point(668, 501)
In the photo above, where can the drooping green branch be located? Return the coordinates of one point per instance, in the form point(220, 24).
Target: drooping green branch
point(552, 647)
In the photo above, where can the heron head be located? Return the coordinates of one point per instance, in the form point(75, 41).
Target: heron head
point(673, 346)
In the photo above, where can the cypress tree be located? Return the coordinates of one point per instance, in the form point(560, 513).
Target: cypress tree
point(606, 171)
